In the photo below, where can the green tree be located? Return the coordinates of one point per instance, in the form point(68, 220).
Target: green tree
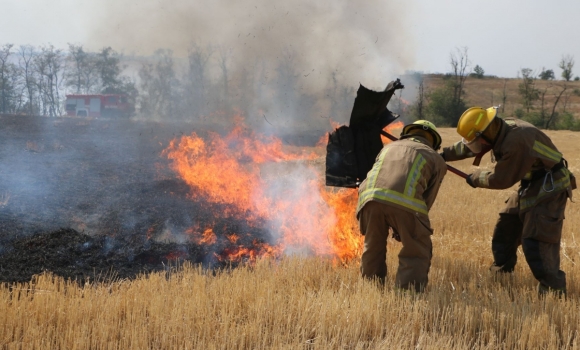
point(548, 114)
point(159, 87)
point(29, 77)
point(78, 58)
point(443, 109)
point(566, 64)
point(83, 72)
point(197, 82)
point(418, 110)
point(108, 64)
point(527, 89)
point(478, 72)
point(7, 71)
point(547, 74)
point(50, 65)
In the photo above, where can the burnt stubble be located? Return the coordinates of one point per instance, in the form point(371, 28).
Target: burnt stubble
point(97, 200)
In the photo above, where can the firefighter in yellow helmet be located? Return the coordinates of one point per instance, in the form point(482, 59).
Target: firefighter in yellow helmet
point(398, 192)
point(534, 214)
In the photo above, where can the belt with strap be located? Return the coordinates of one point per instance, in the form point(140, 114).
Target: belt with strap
point(541, 173)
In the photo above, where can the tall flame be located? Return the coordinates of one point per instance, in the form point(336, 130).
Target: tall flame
point(390, 129)
point(276, 190)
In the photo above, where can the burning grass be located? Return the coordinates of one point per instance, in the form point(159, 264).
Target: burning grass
point(272, 189)
point(298, 301)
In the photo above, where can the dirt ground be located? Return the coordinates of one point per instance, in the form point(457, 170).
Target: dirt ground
point(96, 199)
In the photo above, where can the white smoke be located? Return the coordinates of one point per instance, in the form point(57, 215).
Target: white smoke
point(362, 41)
point(301, 217)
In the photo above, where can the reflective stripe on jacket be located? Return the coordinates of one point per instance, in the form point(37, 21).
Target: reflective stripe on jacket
point(406, 174)
point(521, 150)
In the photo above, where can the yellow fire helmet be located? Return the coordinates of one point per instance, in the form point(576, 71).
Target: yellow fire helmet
point(425, 125)
point(474, 121)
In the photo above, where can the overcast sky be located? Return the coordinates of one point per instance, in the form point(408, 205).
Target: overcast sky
point(378, 37)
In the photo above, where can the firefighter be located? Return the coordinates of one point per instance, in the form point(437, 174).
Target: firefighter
point(533, 215)
point(398, 192)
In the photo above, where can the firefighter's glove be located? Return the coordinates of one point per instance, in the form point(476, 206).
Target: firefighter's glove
point(469, 181)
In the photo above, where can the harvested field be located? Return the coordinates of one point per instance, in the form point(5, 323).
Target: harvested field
point(293, 302)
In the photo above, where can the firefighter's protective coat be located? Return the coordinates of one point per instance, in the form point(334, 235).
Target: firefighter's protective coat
point(533, 215)
point(521, 152)
point(398, 193)
point(407, 174)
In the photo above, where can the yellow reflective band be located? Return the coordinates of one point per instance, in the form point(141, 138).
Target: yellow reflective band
point(559, 185)
point(479, 118)
point(482, 180)
point(374, 173)
point(547, 152)
point(470, 132)
point(414, 174)
point(458, 148)
point(384, 195)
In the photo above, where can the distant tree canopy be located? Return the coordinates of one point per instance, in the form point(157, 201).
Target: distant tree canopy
point(527, 89)
point(206, 84)
point(547, 74)
point(566, 64)
point(546, 104)
point(7, 78)
point(478, 72)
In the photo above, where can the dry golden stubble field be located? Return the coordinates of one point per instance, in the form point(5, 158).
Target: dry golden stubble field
point(310, 303)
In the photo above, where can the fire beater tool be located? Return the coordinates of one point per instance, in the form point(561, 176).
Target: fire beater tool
point(449, 167)
point(351, 150)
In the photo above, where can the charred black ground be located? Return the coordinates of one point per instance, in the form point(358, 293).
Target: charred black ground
point(95, 199)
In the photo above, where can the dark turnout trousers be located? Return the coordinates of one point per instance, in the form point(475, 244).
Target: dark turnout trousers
point(539, 231)
point(414, 258)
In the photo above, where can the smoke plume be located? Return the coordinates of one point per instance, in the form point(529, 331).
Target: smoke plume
point(289, 49)
point(364, 41)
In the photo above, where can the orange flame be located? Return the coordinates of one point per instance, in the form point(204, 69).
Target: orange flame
point(207, 237)
point(390, 129)
point(275, 189)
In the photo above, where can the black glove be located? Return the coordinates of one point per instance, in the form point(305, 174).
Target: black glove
point(469, 181)
point(442, 154)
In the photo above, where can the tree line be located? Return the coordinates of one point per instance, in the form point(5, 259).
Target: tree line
point(206, 81)
point(546, 105)
point(33, 81)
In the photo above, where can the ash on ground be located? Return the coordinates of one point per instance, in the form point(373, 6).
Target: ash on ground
point(94, 199)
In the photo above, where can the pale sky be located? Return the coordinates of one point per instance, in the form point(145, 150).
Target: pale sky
point(502, 36)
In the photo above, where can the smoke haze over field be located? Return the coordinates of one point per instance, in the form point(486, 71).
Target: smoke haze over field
point(362, 41)
point(422, 32)
point(287, 67)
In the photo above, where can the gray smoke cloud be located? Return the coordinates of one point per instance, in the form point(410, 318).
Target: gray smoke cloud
point(364, 41)
point(304, 59)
